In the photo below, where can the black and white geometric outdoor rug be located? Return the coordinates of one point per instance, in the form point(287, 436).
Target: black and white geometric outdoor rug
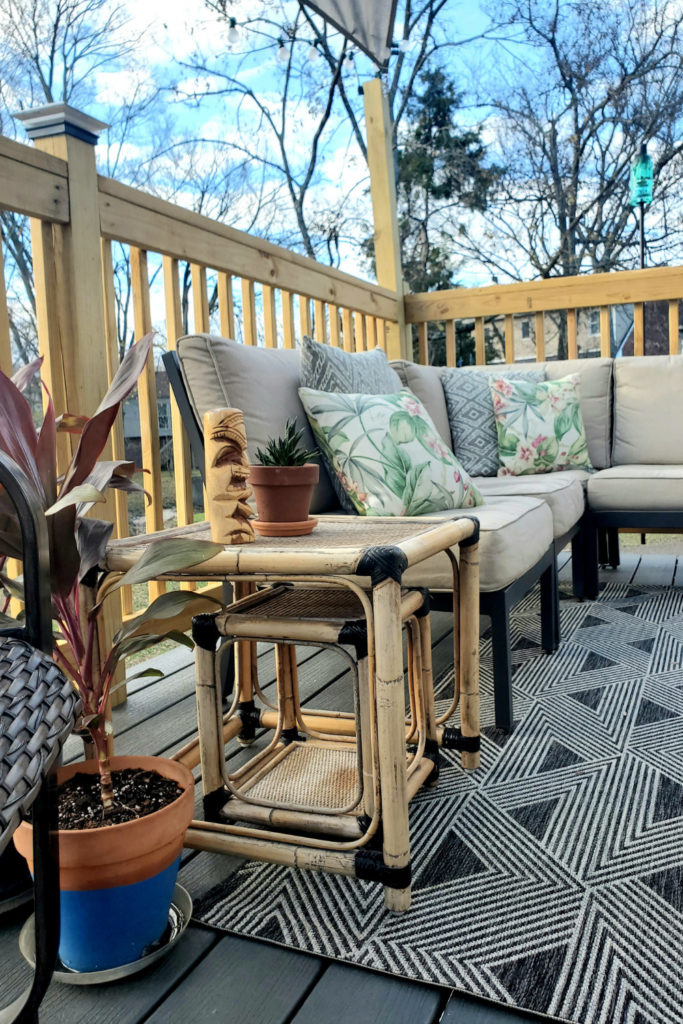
point(551, 878)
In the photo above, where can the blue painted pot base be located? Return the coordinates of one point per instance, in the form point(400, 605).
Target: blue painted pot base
point(103, 928)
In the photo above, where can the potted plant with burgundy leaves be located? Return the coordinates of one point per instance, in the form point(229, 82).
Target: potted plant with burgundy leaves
point(121, 820)
point(283, 482)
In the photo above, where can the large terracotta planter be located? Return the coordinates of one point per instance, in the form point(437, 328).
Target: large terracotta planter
point(283, 498)
point(116, 882)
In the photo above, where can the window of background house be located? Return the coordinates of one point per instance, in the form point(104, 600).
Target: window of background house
point(594, 321)
point(526, 329)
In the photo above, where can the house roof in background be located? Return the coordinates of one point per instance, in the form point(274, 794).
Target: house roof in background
point(369, 24)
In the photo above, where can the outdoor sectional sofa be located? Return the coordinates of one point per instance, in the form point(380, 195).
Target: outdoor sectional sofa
point(633, 419)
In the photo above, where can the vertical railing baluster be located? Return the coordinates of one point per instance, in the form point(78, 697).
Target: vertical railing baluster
point(605, 332)
point(638, 329)
point(572, 346)
point(479, 341)
point(673, 327)
point(226, 308)
point(509, 338)
point(539, 331)
point(269, 317)
point(147, 402)
point(182, 463)
point(111, 342)
point(288, 332)
point(450, 343)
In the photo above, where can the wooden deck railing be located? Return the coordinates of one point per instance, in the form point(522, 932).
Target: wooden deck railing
point(532, 301)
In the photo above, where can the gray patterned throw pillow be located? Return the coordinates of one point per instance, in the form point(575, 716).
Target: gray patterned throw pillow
point(325, 368)
point(470, 414)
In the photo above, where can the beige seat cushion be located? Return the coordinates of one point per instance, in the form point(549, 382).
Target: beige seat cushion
point(425, 382)
point(515, 532)
point(648, 411)
point(658, 488)
point(563, 492)
point(262, 382)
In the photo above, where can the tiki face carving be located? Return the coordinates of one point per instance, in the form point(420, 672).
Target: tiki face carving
point(227, 470)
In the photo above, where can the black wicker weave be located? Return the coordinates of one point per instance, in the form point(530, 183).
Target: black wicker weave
point(38, 709)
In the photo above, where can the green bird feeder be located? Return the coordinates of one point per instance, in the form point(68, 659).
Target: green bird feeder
point(640, 182)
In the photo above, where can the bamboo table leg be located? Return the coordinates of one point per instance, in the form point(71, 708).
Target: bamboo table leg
point(469, 648)
point(386, 597)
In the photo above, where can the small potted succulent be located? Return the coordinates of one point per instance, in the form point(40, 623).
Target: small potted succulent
point(119, 861)
point(283, 482)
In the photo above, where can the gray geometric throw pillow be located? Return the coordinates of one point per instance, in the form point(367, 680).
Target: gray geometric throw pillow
point(324, 368)
point(470, 414)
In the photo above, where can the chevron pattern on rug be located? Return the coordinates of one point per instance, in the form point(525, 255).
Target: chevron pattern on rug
point(551, 878)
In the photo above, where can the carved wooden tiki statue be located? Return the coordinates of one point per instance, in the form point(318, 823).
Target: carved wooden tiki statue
point(227, 469)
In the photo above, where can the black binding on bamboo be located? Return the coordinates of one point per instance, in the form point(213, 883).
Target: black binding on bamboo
point(250, 718)
point(370, 866)
point(425, 608)
point(355, 634)
point(433, 753)
point(213, 804)
point(380, 563)
point(474, 539)
point(291, 735)
point(453, 739)
point(205, 632)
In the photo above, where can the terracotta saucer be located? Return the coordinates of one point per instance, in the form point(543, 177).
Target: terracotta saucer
point(285, 529)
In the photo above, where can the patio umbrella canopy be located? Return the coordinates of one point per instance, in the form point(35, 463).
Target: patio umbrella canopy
point(369, 26)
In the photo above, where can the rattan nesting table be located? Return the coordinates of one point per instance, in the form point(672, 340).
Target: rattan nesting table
point(367, 556)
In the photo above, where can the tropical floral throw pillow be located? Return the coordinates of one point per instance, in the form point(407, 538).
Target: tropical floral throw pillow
point(387, 453)
point(540, 427)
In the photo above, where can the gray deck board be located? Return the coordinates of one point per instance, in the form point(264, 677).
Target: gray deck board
point(625, 572)
point(463, 1010)
point(349, 995)
point(124, 1002)
point(243, 982)
point(655, 570)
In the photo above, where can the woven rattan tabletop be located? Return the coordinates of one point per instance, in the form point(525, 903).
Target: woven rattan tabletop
point(338, 544)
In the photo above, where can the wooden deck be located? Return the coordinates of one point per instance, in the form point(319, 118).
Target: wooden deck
point(214, 976)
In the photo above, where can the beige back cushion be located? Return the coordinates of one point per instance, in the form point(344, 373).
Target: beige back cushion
point(596, 402)
point(425, 382)
point(262, 382)
point(648, 410)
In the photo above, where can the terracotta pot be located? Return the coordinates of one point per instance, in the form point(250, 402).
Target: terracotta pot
point(283, 494)
point(116, 882)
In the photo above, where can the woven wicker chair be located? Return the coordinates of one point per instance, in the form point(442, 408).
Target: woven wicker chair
point(38, 708)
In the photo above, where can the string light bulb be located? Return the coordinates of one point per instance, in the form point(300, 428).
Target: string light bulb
point(233, 32)
point(404, 45)
point(282, 51)
point(313, 54)
point(348, 61)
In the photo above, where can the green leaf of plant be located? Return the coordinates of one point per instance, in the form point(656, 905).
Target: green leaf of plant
point(81, 493)
point(153, 673)
point(172, 555)
point(563, 424)
point(402, 427)
point(166, 606)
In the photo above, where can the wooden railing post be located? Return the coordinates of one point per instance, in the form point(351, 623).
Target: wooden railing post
point(383, 193)
point(68, 282)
